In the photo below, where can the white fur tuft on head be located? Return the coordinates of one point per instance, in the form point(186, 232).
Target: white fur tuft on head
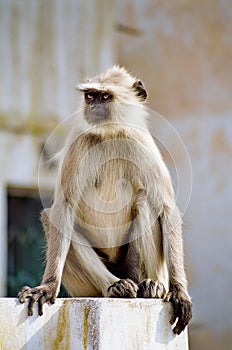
point(116, 80)
point(112, 77)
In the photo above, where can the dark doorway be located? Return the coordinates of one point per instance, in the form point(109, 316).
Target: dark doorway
point(26, 239)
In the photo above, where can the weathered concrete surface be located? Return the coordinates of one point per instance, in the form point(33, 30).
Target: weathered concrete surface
point(89, 324)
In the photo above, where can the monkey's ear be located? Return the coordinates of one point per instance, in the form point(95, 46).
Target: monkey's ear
point(140, 90)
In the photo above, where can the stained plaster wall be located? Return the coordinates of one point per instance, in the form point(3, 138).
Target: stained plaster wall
point(83, 323)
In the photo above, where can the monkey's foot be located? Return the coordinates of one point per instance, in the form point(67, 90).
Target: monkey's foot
point(41, 294)
point(182, 308)
point(124, 288)
point(149, 288)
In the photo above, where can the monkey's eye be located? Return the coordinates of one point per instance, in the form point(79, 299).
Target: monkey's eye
point(106, 96)
point(89, 97)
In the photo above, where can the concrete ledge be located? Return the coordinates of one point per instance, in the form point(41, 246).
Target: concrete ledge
point(90, 324)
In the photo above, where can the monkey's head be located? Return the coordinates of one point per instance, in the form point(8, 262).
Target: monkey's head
point(111, 97)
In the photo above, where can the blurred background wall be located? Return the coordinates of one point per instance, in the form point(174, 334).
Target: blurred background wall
point(182, 50)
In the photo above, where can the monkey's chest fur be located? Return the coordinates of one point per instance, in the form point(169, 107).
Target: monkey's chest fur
point(105, 207)
point(104, 185)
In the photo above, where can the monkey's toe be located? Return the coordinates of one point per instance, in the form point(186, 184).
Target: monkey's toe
point(150, 288)
point(124, 288)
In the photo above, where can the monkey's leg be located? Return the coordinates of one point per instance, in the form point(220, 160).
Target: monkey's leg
point(58, 233)
point(130, 270)
point(139, 250)
point(135, 267)
point(173, 252)
point(101, 278)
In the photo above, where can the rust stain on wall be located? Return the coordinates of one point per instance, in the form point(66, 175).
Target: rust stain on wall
point(86, 327)
point(62, 340)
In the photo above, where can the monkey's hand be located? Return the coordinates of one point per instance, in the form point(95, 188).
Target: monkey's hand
point(182, 308)
point(41, 294)
point(124, 288)
point(150, 288)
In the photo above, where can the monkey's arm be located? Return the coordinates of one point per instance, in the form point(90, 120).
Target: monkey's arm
point(173, 253)
point(58, 231)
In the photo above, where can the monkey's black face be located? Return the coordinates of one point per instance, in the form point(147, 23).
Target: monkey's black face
point(97, 106)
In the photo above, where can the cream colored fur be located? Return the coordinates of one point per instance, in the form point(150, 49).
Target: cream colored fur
point(114, 212)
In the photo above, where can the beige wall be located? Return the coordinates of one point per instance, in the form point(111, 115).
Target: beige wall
point(46, 48)
point(183, 52)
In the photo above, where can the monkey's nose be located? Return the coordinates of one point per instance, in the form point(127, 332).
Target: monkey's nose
point(100, 111)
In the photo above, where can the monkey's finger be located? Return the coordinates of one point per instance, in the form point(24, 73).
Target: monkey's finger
point(181, 320)
point(173, 319)
point(160, 291)
point(118, 290)
point(33, 299)
point(24, 293)
point(176, 306)
point(150, 288)
point(30, 307)
point(168, 297)
point(41, 302)
point(53, 299)
point(123, 289)
point(24, 289)
point(180, 326)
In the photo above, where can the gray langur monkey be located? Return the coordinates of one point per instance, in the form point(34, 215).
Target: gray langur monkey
point(114, 229)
